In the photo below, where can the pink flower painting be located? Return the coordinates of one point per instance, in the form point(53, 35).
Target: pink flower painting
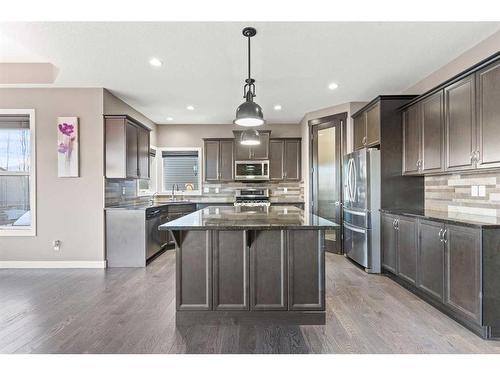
point(67, 147)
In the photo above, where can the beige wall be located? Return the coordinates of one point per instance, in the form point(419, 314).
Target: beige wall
point(192, 135)
point(481, 51)
point(115, 106)
point(68, 209)
point(350, 108)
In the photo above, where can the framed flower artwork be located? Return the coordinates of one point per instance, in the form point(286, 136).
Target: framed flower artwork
point(67, 147)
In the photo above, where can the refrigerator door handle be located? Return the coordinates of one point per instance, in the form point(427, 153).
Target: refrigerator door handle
point(354, 198)
point(354, 229)
point(348, 179)
point(359, 213)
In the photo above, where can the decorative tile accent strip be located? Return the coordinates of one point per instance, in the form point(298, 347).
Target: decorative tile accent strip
point(453, 193)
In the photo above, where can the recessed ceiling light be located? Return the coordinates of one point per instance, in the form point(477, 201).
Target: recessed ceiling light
point(333, 86)
point(190, 108)
point(155, 62)
point(277, 107)
point(170, 118)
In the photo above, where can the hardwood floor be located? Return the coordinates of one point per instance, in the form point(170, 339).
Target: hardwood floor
point(133, 311)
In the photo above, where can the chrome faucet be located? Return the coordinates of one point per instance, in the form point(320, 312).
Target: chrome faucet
point(174, 186)
point(153, 197)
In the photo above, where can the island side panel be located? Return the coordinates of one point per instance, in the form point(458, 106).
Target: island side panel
point(194, 270)
point(268, 267)
point(306, 269)
point(230, 270)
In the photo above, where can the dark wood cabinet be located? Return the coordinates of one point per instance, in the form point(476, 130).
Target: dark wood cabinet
point(359, 131)
point(306, 267)
point(230, 270)
point(411, 140)
point(488, 116)
point(258, 152)
point(367, 127)
point(463, 277)
point(460, 124)
point(389, 242)
point(276, 159)
point(285, 159)
point(432, 133)
point(373, 126)
point(407, 248)
point(269, 289)
point(126, 147)
point(219, 159)
point(430, 276)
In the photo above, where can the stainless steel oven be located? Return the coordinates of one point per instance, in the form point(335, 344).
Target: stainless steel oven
point(251, 170)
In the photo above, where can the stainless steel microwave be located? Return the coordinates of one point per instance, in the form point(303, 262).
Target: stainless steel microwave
point(250, 170)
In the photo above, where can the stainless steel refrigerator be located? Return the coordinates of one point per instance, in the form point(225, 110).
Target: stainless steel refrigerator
point(361, 208)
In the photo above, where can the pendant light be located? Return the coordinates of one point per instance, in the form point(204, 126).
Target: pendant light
point(249, 113)
point(250, 137)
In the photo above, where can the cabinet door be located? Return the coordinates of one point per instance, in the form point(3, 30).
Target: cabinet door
point(268, 290)
point(306, 270)
point(488, 90)
point(143, 152)
point(411, 140)
point(131, 135)
point(230, 266)
point(226, 160)
point(292, 160)
point(430, 257)
point(211, 160)
point(463, 271)
point(276, 159)
point(359, 131)
point(460, 124)
point(241, 152)
point(407, 248)
point(389, 242)
point(432, 132)
point(261, 151)
point(373, 125)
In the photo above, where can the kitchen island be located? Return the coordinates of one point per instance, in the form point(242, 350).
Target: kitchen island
point(250, 264)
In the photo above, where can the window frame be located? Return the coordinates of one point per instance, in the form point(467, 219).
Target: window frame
point(27, 230)
point(161, 184)
point(153, 186)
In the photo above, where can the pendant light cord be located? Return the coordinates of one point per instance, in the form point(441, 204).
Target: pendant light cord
point(249, 75)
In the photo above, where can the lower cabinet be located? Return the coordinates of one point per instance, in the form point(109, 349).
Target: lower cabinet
point(463, 271)
point(442, 262)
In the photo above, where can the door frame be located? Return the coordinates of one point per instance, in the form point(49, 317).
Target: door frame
point(324, 123)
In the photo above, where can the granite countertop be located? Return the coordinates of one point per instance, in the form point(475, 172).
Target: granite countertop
point(147, 205)
point(239, 218)
point(479, 221)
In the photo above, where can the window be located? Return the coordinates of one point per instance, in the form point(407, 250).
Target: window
point(181, 167)
point(148, 186)
point(17, 174)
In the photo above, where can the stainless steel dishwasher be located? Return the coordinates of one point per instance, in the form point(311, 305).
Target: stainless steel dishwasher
point(154, 243)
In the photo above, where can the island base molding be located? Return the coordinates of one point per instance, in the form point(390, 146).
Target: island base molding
point(250, 317)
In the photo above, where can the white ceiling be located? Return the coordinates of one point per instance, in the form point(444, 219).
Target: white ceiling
point(205, 63)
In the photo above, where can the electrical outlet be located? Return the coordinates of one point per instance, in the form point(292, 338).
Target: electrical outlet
point(217, 190)
point(285, 190)
point(206, 189)
point(57, 245)
point(124, 191)
point(474, 191)
point(482, 190)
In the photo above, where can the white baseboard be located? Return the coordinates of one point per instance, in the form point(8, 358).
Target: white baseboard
point(53, 264)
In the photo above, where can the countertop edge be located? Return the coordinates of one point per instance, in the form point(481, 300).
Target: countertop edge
point(449, 220)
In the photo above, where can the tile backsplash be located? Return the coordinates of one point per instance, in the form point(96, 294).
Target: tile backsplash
point(475, 194)
point(120, 191)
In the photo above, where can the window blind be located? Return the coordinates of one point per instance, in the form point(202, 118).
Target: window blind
point(180, 168)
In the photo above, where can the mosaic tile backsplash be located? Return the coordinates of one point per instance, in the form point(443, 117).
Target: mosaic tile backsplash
point(463, 193)
point(124, 192)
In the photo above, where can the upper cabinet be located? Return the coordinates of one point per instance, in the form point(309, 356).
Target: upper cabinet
point(258, 152)
point(219, 159)
point(488, 116)
point(284, 159)
point(458, 124)
point(127, 147)
point(367, 127)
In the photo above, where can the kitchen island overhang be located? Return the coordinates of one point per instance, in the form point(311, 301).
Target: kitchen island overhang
point(250, 264)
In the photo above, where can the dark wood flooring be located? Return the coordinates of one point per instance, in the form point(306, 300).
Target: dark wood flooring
point(133, 311)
